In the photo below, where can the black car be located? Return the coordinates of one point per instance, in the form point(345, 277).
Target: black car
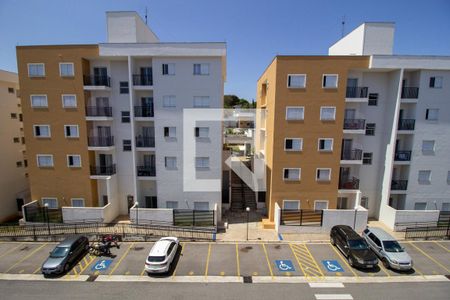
point(353, 246)
point(65, 255)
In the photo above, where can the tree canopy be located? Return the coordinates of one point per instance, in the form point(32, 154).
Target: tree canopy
point(230, 101)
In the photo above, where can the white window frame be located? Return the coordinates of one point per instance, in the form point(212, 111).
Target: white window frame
point(325, 150)
point(68, 164)
point(67, 63)
point(292, 201)
point(296, 87)
point(330, 87)
point(43, 68)
point(426, 205)
point(170, 69)
point(169, 101)
point(41, 136)
point(38, 106)
point(49, 198)
point(428, 150)
point(172, 202)
point(69, 95)
point(321, 201)
point(202, 159)
point(203, 100)
point(328, 107)
point(173, 130)
point(78, 199)
point(326, 179)
point(422, 180)
point(295, 107)
point(431, 109)
point(170, 158)
point(202, 129)
point(72, 125)
point(49, 166)
point(203, 72)
point(293, 150)
point(440, 81)
point(292, 179)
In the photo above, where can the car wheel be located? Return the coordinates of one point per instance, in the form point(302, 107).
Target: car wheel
point(332, 241)
point(350, 261)
point(385, 263)
point(66, 268)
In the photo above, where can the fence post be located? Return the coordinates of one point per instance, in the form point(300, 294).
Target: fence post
point(75, 228)
point(301, 217)
point(321, 218)
point(193, 217)
point(34, 232)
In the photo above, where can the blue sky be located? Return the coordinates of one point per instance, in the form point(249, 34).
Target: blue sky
point(255, 30)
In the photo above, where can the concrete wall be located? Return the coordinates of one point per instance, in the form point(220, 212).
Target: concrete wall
point(151, 215)
point(82, 214)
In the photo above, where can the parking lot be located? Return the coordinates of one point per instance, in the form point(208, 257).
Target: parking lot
point(312, 260)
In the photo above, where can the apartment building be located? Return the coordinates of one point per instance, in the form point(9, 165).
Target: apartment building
point(13, 165)
point(359, 127)
point(104, 122)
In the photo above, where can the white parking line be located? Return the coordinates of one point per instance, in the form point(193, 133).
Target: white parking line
point(333, 297)
point(326, 285)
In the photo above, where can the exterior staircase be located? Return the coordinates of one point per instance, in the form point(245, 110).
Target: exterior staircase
point(241, 195)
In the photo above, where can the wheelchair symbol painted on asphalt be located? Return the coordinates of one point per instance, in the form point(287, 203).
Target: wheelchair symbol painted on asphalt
point(101, 265)
point(332, 266)
point(285, 265)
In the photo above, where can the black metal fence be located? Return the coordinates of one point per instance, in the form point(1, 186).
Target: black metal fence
point(354, 124)
point(190, 217)
point(302, 217)
point(99, 111)
point(354, 154)
point(100, 141)
point(410, 92)
point(144, 111)
point(426, 232)
point(356, 92)
point(96, 80)
point(40, 214)
point(399, 185)
point(142, 79)
point(402, 155)
point(406, 124)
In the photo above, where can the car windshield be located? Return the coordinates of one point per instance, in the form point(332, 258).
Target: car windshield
point(392, 246)
point(156, 258)
point(357, 244)
point(59, 252)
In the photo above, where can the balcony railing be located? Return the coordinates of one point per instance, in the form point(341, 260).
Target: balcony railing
point(103, 170)
point(406, 124)
point(146, 171)
point(144, 111)
point(402, 156)
point(100, 141)
point(355, 154)
point(99, 111)
point(349, 184)
point(141, 79)
point(399, 185)
point(97, 80)
point(354, 124)
point(145, 142)
point(410, 92)
point(356, 92)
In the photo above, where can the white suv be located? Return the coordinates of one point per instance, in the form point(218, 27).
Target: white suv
point(161, 255)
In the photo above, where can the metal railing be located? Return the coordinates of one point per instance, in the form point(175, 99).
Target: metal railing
point(426, 232)
point(349, 184)
point(100, 141)
point(96, 80)
point(41, 214)
point(354, 154)
point(145, 141)
point(399, 185)
point(410, 92)
point(99, 111)
point(146, 171)
point(354, 124)
point(103, 170)
point(402, 156)
point(190, 217)
point(406, 124)
point(144, 111)
point(141, 79)
point(302, 217)
point(356, 92)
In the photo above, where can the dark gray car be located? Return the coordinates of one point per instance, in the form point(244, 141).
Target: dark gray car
point(65, 255)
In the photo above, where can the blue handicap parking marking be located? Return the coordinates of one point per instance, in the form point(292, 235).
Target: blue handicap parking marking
point(101, 265)
point(332, 266)
point(285, 265)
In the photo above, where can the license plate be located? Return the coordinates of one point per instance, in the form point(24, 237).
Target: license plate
point(370, 266)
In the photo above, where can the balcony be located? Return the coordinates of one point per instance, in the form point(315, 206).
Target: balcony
point(399, 185)
point(354, 154)
point(99, 111)
point(100, 141)
point(351, 183)
point(105, 170)
point(146, 171)
point(355, 125)
point(406, 124)
point(142, 81)
point(402, 156)
point(96, 82)
point(410, 92)
point(144, 111)
point(356, 92)
point(145, 142)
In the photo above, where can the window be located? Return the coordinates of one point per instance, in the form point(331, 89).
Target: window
point(328, 113)
point(202, 132)
point(71, 131)
point(436, 82)
point(445, 206)
point(432, 114)
point(168, 69)
point(25, 163)
point(365, 202)
point(370, 129)
point(172, 204)
point(320, 204)
point(77, 202)
point(74, 161)
point(202, 162)
point(293, 144)
point(51, 202)
point(13, 116)
point(21, 119)
point(323, 174)
point(69, 101)
point(66, 69)
point(169, 101)
point(39, 101)
point(295, 113)
point(126, 145)
point(11, 90)
point(420, 206)
point(367, 158)
point(292, 173)
point(203, 205)
point(373, 99)
point(201, 69)
point(424, 176)
point(330, 81)
point(170, 132)
point(44, 160)
point(18, 164)
point(36, 70)
point(201, 101)
point(16, 140)
point(427, 147)
point(291, 204)
point(125, 117)
point(325, 144)
point(296, 81)
point(170, 162)
point(42, 131)
point(124, 89)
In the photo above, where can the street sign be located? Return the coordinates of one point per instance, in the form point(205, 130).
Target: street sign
point(101, 265)
point(332, 266)
point(285, 265)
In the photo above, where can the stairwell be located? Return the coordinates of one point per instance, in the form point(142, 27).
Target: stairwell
point(241, 195)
